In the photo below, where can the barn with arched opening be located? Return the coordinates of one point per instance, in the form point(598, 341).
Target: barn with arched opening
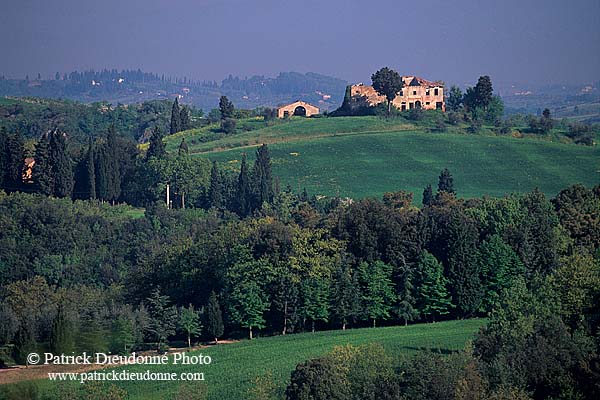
point(298, 108)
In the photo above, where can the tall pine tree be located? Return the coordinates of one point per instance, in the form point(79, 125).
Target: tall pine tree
point(433, 296)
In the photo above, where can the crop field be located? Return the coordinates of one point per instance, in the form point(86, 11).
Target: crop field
point(235, 365)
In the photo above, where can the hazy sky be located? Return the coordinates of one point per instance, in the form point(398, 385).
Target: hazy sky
point(538, 41)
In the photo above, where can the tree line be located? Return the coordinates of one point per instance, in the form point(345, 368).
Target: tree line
point(292, 264)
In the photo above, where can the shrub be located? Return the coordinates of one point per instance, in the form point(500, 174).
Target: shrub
point(228, 125)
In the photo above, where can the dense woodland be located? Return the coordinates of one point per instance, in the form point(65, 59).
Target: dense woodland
point(236, 255)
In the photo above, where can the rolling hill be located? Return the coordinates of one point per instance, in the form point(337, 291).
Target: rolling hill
point(368, 156)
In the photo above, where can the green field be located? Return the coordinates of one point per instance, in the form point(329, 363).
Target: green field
point(368, 156)
point(235, 365)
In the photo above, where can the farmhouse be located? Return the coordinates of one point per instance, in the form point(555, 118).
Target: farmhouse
point(416, 93)
point(297, 108)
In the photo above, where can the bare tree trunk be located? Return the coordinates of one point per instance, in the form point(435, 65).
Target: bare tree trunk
point(250, 333)
point(373, 322)
point(313, 326)
point(189, 342)
point(344, 326)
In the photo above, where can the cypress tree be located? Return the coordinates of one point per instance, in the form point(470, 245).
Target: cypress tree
point(243, 192)
point(215, 189)
point(184, 118)
point(3, 158)
point(175, 117)
point(61, 338)
point(90, 172)
point(113, 152)
point(214, 323)
point(263, 178)
point(157, 146)
point(42, 169)
point(62, 168)
point(406, 308)
point(13, 161)
point(446, 182)
point(183, 148)
point(427, 196)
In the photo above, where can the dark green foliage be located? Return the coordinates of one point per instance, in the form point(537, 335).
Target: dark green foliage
point(175, 118)
point(157, 146)
point(248, 303)
point(314, 292)
point(62, 166)
point(377, 290)
point(406, 308)
point(91, 172)
point(427, 196)
point(184, 118)
point(499, 266)
point(416, 114)
point(62, 335)
point(163, 318)
point(531, 238)
point(463, 267)
point(24, 342)
point(433, 297)
point(226, 108)
point(215, 196)
point(484, 91)
point(455, 99)
point(243, 197)
point(262, 177)
point(446, 182)
point(228, 125)
point(12, 156)
point(388, 83)
point(42, 174)
point(109, 168)
point(345, 299)
point(214, 318)
point(318, 379)
point(183, 148)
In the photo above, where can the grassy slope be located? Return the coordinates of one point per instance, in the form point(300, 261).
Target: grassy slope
point(367, 156)
point(235, 365)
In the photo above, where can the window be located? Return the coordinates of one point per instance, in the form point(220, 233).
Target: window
point(414, 92)
point(427, 102)
point(427, 92)
point(435, 91)
point(400, 93)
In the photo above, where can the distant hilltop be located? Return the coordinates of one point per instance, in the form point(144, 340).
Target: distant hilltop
point(135, 86)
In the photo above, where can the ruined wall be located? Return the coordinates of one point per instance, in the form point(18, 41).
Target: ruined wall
point(428, 95)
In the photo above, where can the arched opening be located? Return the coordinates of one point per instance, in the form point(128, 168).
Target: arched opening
point(417, 104)
point(300, 111)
